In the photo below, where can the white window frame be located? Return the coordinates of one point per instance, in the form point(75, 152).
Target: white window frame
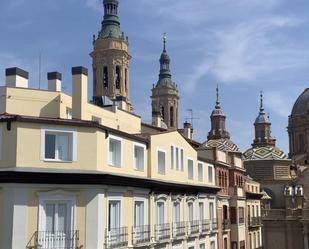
point(213, 173)
point(121, 150)
point(58, 195)
point(193, 216)
point(144, 200)
point(164, 211)
point(200, 178)
point(114, 198)
point(190, 159)
point(143, 146)
point(164, 151)
point(59, 131)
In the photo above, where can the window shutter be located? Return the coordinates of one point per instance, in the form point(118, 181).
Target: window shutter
point(233, 215)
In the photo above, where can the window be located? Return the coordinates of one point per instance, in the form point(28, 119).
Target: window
point(171, 116)
point(172, 157)
point(201, 211)
point(139, 157)
point(211, 211)
point(58, 145)
point(117, 77)
point(126, 79)
point(190, 211)
point(212, 245)
point(200, 172)
point(202, 246)
point(210, 174)
point(57, 217)
point(233, 215)
point(69, 113)
point(181, 159)
point(160, 213)
point(190, 169)
point(176, 212)
point(225, 243)
point(114, 218)
point(301, 143)
point(105, 77)
point(96, 119)
point(139, 213)
point(161, 162)
point(241, 215)
point(114, 156)
point(177, 158)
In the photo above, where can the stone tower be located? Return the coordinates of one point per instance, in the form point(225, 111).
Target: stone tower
point(262, 127)
point(110, 60)
point(165, 98)
point(218, 129)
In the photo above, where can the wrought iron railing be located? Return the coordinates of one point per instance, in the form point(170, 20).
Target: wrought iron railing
point(226, 224)
point(193, 227)
point(54, 240)
point(241, 220)
point(179, 229)
point(141, 235)
point(213, 224)
point(116, 237)
point(204, 226)
point(162, 232)
point(255, 221)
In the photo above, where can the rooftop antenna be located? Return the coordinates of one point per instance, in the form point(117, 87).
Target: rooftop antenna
point(191, 118)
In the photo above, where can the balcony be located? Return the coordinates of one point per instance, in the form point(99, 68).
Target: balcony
point(162, 232)
point(204, 226)
point(179, 229)
point(116, 237)
point(213, 224)
point(52, 240)
point(255, 221)
point(193, 227)
point(141, 235)
point(226, 224)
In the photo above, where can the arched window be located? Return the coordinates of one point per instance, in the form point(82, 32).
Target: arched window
point(105, 77)
point(117, 77)
point(225, 179)
point(172, 116)
point(162, 112)
point(301, 143)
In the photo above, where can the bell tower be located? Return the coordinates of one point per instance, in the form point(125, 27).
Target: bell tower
point(165, 98)
point(262, 127)
point(110, 60)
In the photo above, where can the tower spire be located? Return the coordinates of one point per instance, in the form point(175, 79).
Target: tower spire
point(217, 117)
point(263, 127)
point(164, 42)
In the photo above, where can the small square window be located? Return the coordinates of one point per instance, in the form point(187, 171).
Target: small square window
point(139, 156)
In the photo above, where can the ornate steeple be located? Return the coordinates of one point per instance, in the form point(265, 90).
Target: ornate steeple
point(165, 93)
point(165, 76)
point(217, 117)
point(262, 128)
point(110, 24)
point(111, 61)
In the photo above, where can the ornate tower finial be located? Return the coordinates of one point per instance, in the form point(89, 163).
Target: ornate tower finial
point(261, 102)
point(217, 94)
point(164, 42)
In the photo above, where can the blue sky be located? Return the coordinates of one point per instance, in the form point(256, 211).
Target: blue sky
point(243, 45)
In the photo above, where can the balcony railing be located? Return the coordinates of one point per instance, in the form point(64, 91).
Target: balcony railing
point(179, 229)
point(213, 224)
point(226, 224)
point(162, 232)
point(141, 235)
point(116, 237)
point(204, 226)
point(255, 221)
point(193, 227)
point(54, 240)
point(241, 220)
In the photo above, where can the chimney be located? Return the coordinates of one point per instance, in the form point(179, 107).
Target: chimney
point(16, 77)
point(79, 92)
point(187, 130)
point(54, 81)
point(156, 119)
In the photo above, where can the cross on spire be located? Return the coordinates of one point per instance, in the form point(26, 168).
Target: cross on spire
point(164, 41)
point(217, 94)
point(261, 102)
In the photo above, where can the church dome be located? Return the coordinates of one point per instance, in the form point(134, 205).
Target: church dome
point(301, 105)
point(264, 153)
